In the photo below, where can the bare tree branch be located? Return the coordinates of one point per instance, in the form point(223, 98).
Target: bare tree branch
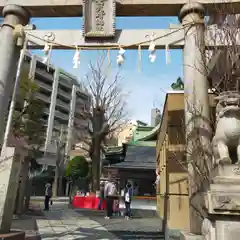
point(107, 112)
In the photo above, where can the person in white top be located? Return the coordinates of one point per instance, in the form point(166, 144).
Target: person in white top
point(110, 190)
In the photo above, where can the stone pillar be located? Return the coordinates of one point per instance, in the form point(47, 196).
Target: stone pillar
point(196, 103)
point(9, 55)
point(10, 164)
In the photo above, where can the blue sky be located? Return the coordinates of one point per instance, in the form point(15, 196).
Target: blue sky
point(148, 86)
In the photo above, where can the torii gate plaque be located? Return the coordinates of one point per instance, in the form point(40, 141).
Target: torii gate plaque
point(99, 18)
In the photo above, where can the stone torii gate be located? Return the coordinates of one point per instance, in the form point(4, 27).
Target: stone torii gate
point(99, 31)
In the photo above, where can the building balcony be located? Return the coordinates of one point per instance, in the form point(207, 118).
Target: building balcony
point(82, 95)
point(65, 81)
point(81, 122)
point(61, 115)
point(58, 126)
point(65, 95)
point(44, 85)
point(62, 104)
point(43, 97)
point(46, 111)
point(44, 74)
point(81, 109)
point(83, 99)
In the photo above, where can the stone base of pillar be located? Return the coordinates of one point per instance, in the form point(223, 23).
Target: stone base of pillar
point(13, 236)
point(10, 164)
point(227, 228)
point(222, 201)
point(190, 236)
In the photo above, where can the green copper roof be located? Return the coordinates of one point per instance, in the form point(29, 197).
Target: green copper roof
point(143, 136)
point(140, 132)
point(144, 143)
point(141, 123)
point(151, 133)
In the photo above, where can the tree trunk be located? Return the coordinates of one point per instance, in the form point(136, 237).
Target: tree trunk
point(60, 185)
point(96, 157)
point(22, 186)
point(28, 194)
point(99, 130)
point(55, 183)
point(67, 188)
point(96, 176)
point(73, 190)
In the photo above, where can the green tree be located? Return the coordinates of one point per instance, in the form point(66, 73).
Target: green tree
point(77, 171)
point(27, 118)
point(77, 168)
point(28, 124)
point(178, 85)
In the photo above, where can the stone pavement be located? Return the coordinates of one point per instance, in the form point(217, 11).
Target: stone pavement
point(27, 224)
point(66, 224)
point(62, 222)
point(141, 226)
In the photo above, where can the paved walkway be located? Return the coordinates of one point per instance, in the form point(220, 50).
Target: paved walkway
point(66, 224)
point(141, 226)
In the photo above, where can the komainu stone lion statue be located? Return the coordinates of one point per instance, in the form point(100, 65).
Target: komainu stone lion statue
point(227, 134)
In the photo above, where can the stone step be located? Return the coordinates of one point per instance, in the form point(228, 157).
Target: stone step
point(232, 170)
point(226, 180)
point(225, 188)
point(54, 199)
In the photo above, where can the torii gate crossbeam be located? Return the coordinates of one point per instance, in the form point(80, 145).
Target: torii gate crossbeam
point(73, 8)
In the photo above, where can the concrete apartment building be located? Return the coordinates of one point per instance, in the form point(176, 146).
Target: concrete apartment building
point(66, 102)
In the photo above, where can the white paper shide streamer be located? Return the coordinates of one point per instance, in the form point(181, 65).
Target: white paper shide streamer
point(46, 51)
point(76, 58)
point(167, 55)
point(49, 37)
point(152, 51)
point(120, 56)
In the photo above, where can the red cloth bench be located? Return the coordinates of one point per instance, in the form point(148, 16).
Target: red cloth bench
point(87, 202)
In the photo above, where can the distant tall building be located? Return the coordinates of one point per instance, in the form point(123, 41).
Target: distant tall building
point(155, 117)
point(125, 134)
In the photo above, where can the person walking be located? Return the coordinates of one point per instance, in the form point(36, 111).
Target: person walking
point(128, 199)
point(110, 191)
point(48, 195)
point(101, 199)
